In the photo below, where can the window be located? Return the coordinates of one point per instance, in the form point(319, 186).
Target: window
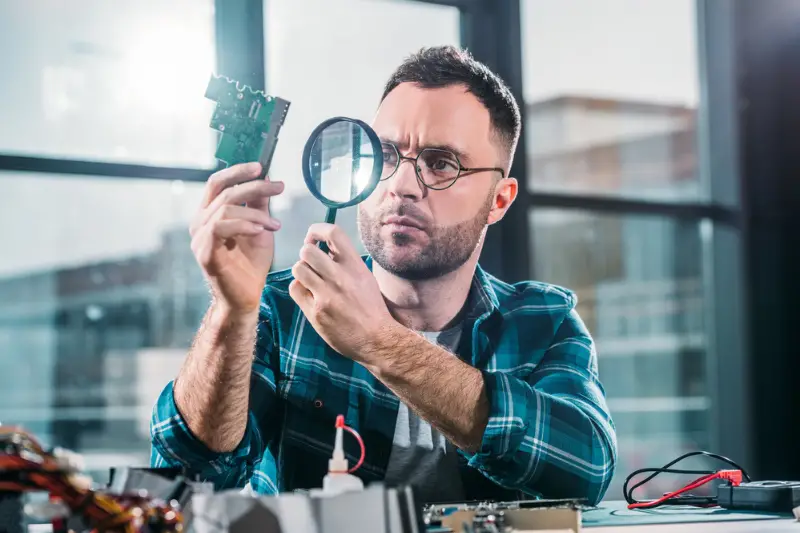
point(111, 81)
point(641, 294)
point(100, 295)
point(611, 93)
point(328, 63)
point(99, 298)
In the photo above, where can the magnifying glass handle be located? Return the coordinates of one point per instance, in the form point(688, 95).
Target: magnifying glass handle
point(330, 218)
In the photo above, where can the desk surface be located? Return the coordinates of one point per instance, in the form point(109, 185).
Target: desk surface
point(747, 526)
point(614, 516)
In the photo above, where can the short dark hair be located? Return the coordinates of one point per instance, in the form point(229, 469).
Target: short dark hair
point(444, 66)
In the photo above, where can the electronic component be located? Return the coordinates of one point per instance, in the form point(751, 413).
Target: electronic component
point(770, 496)
point(167, 484)
point(248, 120)
point(25, 466)
point(375, 509)
point(501, 517)
point(682, 495)
point(174, 500)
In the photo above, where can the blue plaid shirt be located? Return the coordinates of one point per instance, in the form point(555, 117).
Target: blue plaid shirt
point(549, 432)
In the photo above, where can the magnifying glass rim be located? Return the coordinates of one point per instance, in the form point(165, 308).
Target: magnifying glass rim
point(377, 168)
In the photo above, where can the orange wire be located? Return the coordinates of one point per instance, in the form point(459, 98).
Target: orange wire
point(47, 474)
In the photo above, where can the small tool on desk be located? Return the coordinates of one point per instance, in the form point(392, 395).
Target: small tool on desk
point(737, 492)
point(682, 495)
point(774, 496)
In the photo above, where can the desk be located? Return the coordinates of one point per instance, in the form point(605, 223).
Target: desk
point(771, 526)
point(614, 516)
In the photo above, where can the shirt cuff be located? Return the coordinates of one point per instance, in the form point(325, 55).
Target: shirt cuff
point(511, 402)
point(173, 439)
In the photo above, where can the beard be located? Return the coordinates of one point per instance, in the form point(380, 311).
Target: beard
point(447, 249)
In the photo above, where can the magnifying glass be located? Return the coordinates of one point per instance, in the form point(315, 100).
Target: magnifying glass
point(342, 164)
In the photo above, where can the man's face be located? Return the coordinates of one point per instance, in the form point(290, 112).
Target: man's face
point(419, 233)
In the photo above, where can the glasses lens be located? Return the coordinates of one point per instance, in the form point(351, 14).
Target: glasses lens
point(438, 169)
point(390, 160)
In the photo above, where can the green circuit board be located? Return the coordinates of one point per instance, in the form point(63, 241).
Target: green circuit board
point(248, 120)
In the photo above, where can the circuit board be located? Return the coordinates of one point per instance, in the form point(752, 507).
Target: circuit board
point(248, 120)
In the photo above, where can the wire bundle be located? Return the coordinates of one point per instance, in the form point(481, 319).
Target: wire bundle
point(682, 495)
point(25, 466)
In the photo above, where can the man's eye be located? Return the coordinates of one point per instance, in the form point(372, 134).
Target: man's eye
point(389, 157)
point(442, 164)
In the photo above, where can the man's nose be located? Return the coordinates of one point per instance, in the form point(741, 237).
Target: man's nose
point(404, 184)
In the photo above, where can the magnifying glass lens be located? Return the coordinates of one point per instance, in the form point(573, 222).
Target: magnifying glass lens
point(341, 162)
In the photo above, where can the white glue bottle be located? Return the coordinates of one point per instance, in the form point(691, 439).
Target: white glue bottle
point(338, 479)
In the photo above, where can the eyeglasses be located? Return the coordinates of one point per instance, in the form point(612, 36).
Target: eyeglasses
point(435, 168)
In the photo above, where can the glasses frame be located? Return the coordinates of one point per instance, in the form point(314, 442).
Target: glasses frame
point(462, 170)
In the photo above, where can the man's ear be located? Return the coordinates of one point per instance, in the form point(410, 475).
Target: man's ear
point(505, 192)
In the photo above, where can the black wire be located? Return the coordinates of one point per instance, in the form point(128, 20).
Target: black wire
point(681, 499)
point(681, 458)
point(694, 454)
point(691, 499)
point(655, 471)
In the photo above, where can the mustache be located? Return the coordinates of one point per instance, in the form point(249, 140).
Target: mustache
point(404, 210)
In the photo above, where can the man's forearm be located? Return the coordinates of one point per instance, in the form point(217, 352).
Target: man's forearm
point(436, 384)
point(212, 388)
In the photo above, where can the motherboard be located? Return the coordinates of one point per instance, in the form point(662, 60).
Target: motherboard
point(249, 121)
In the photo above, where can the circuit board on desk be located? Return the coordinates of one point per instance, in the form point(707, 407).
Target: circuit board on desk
point(249, 121)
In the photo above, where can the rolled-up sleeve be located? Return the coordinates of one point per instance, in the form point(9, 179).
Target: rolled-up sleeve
point(551, 433)
point(174, 444)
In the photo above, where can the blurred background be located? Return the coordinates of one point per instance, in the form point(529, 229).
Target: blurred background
point(659, 174)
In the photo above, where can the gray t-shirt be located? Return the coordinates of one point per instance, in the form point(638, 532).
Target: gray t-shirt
point(421, 456)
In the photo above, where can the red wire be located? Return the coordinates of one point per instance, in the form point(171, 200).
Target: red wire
point(691, 486)
point(361, 444)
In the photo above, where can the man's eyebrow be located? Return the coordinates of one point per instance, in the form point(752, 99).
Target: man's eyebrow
point(437, 146)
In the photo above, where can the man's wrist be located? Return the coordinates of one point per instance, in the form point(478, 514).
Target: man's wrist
point(223, 318)
point(221, 309)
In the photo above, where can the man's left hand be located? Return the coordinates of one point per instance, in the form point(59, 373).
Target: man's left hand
point(338, 293)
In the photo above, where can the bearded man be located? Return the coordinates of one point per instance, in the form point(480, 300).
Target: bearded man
point(461, 385)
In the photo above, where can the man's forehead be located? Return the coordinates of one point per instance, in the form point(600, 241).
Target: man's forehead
point(445, 116)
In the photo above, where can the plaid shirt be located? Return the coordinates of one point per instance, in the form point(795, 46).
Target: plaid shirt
point(549, 431)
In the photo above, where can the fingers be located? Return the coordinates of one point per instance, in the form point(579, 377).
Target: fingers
point(250, 214)
point(247, 192)
point(338, 241)
point(319, 261)
point(235, 196)
point(225, 229)
point(303, 273)
point(205, 241)
point(231, 212)
point(225, 178)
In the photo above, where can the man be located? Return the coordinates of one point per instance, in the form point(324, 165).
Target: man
point(461, 385)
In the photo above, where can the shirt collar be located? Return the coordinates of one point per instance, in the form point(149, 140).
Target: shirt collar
point(482, 298)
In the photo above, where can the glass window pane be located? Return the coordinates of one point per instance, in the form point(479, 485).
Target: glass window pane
point(99, 298)
point(110, 81)
point(317, 59)
point(102, 295)
point(611, 92)
point(640, 290)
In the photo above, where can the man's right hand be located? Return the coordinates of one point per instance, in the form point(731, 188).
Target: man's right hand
point(232, 236)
